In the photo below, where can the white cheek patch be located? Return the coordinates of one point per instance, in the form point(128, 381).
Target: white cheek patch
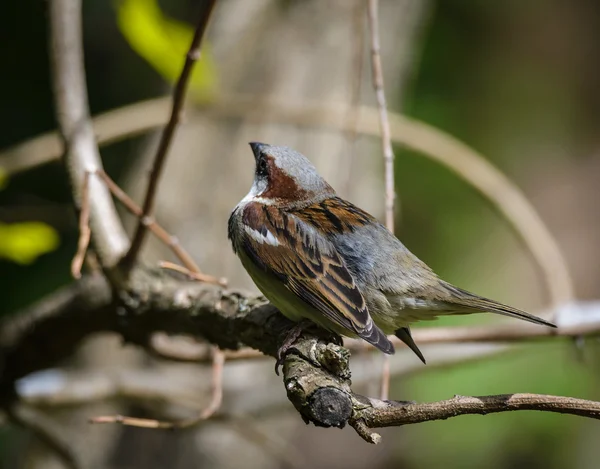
point(257, 236)
point(255, 198)
point(258, 187)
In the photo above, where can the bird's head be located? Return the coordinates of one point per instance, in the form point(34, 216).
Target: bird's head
point(285, 176)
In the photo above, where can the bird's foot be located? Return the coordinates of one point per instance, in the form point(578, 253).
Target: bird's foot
point(290, 338)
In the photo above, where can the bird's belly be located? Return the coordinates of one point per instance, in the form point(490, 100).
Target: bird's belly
point(288, 303)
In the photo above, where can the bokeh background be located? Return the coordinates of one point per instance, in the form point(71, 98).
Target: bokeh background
point(518, 81)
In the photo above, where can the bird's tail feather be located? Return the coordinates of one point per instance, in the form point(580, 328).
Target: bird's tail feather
point(377, 338)
point(469, 302)
point(405, 336)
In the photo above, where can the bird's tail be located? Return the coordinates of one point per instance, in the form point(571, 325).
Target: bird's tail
point(405, 336)
point(377, 338)
point(467, 302)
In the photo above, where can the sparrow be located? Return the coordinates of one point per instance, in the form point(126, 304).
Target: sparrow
point(318, 257)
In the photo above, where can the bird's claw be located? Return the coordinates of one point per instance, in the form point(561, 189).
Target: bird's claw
point(290, 338)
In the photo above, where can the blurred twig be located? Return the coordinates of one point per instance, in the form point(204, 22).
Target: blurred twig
point(167, 136)
point(462, 160)
point(356, 72)
point(388, 152)
point(80, 148)
point(194, 275)
point(84, 228)
point(386, 136)
point(47, 431)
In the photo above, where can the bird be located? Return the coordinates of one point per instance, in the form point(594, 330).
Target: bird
point(321, 259)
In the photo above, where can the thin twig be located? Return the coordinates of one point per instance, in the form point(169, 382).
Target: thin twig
point(356, 72)
point(385, 378)
point(216, 384)
point(84, 228)
point(79, 145)
point(169, 240)
point(392, 414)
point(388, 152)
point(207, 412)
point(360, 427)
point(48, 432)
point(191, 274)
point(386, 136)
point(459, 158)
point(167, 136)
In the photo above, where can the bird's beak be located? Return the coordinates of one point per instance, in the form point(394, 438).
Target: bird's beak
point(257, 148)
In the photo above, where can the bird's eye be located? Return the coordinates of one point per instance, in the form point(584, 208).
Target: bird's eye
point(261, 167)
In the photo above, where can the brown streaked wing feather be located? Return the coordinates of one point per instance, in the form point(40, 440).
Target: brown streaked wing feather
point(306, 263)
point(334, 215)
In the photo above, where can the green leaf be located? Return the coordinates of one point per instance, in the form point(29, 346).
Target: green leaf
point(25, 242)
point(164, 43)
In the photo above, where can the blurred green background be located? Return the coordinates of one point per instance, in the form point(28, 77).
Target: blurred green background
point(516, 80)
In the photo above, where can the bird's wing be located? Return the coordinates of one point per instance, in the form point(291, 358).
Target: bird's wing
point(309, 266)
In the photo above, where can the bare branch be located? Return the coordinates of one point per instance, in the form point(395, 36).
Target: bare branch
point(386, 136)
point(388, 152)
point(47, 431)
point(173, 348)
point(441, 147)
point(193, 275)
point(188, 308)
point(377, 414)
point(218, 358)
point(316, 373)
point(323, 396)
point(84, 228)
point(167, 136)
point(80, 149)
point(348, 154)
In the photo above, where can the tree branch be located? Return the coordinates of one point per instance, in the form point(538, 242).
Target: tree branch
point(388, 151)
point(374, 413)
point(316, 371)
point(154, 301)
point(167, 136)
point(80, 149)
